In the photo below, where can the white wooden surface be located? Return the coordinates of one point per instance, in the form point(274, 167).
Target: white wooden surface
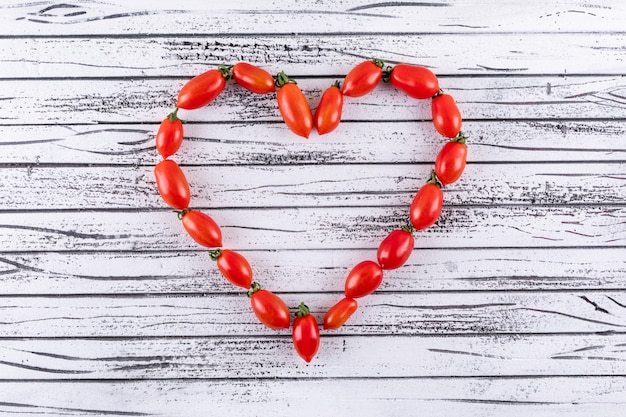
point(513, 304)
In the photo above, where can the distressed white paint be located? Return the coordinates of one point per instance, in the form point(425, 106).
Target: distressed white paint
point(513, 304)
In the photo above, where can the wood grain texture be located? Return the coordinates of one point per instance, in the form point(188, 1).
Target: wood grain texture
point(407, 357)
point(518, 397)
point(304, 55)
point(149, 100)
point(433, 270)
point(83, 17)
point(512, 304)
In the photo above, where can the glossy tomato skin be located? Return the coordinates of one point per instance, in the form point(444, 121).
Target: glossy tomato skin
point(446, 116)
point(235, 268)
point(202, 228)
point(450, 162)
point(328, 113)
point(306, 336)
point(295, 109)
point(201, 90)
point(172, 184)
point(363, 279)
point(253, 78)
point(169, 137)
point(270, 309)
point(362, 79)
point(338, 314)
point(395, 249)
point(417, 82)
point(426, 206)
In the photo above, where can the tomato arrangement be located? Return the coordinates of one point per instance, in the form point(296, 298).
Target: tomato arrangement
point(393, 251)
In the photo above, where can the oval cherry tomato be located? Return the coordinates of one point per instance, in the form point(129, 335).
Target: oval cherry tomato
point(415, 81)
point(426, 206)
point(202, 228)
point(446, 116)
point(338, 314)
point(201, 90)
point(305, 334)
point(328, 113)
point(395, 249)
point(172, 184)
point(294, 108)
point(170, 135)
point(269, 308)
point(364, 278)
point(253, 78)
point(363, 78)
point(450, 162)
point(234, 267)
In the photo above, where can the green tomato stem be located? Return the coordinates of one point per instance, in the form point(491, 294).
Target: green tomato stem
point(226, 71)
point(303, 310)
point(460, 138)
point(215, 254)
point(181, 213)
point(254, 288)
point(433, 179)
point(282, 79)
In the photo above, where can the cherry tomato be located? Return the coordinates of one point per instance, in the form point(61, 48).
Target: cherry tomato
point(417, 82)
point(338, 314)
point(233, 266)
point(395, 249)
point(364, 278)
point(253, 78)
point(170, 135)
point(293, 106)
point(450, 162)
point(363, 78)
point(202, 228)
point(305, 333)
point(426, 206)
point(269, 308)
point(446, 116)
point(172, 184)
point(201, 90)
point(328, 113)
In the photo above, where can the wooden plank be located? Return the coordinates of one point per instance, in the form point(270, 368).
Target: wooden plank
point(341, 357)
point(243, 144)
point(97, 273)
point(246, 16)
point(313, 228)
point(381, 314)
point(149, 100)
point(329, 55)
point(515, 397)
point(57, 188)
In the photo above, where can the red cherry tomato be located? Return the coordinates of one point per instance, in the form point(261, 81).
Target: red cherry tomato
point(295, 109)
point(338, 314)
point(305, 334)
point(363, 78)
point(364, 278)
point(234, 267)
point(269, 308)
point(450, 162)
point(172, 184)
point(202, 228)
point(170, 135)
point(417, 82)
point(446, 116)
point(395, 249)
point(426, 206)
point(201, 90)
point(253, 78)
point(328, 113)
